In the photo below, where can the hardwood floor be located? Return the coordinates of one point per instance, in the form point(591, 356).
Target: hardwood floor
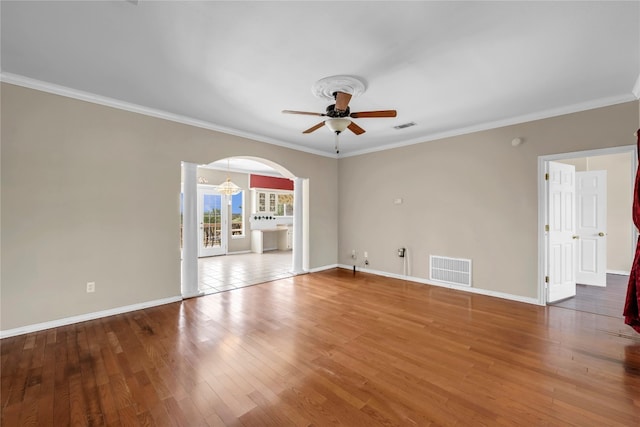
point(325, 349)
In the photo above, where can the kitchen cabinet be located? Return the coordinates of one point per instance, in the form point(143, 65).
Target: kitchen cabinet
point(272, 202)
point(264, 202)
point(269, 239)
point(285, 239)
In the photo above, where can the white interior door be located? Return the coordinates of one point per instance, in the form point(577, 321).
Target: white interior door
point(212, 223)
point(561, 237)
point(591, 227)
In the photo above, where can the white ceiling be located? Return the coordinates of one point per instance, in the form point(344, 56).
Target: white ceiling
point(450, 67)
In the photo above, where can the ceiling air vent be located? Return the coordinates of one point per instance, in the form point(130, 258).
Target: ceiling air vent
point(406, 125)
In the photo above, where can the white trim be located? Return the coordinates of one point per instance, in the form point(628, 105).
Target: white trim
point(420, 280)
point(190, 237)
point(239, 252)
point(242, 171)
point(27, 82)
point(636, 88)
point(140, 306)
point(194, 294)
point(323, 268)
point(306, 235)
point(68, 92)
point(542, 202)
point(619, 272)
point(542, 242)
point(569, 109)
point(590, 153)
point(85, 317)
point(298, 227)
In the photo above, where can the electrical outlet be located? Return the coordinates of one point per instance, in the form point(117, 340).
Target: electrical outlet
point(366, 254)
point(366, 262)
point(91, 287)
point(353, 253)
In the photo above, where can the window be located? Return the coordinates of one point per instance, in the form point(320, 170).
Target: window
point(237, 216)
point(285, 204)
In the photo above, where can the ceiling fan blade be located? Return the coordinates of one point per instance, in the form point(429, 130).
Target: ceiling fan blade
point(382, 113)
point(316, 127)
point(308, 113)
point(355, 128)
point(342, 101)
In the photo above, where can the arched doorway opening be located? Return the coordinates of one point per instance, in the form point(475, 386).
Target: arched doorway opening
point(232, 237)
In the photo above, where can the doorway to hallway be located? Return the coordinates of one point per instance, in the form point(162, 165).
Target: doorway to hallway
point(615, 227)
point(602, 300)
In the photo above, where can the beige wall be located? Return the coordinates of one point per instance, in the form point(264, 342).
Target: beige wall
point(472, 196)
point(91, 193)
point(620, 180)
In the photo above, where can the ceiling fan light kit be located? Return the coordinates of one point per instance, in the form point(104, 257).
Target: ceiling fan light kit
point(337, 125)
point(340, 89)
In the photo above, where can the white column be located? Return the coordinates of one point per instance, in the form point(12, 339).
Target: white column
point(190, 232)
point(297, 226)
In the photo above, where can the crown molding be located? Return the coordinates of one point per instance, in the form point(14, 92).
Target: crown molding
point(135, 108)
point(68, 92)
point(569, 109)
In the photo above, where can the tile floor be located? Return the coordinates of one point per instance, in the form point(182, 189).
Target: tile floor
point(227, 272)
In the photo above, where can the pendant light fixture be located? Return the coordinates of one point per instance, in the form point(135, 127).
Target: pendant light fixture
point(228, 188)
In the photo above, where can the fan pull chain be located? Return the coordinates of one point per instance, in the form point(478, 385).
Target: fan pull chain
point(336, 145)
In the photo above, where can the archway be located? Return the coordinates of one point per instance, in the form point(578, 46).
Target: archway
point(300, 241)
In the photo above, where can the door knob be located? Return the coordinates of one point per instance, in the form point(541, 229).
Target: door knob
point(601, 234)
point(575, 237)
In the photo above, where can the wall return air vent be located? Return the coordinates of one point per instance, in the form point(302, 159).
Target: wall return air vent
point(454, 271)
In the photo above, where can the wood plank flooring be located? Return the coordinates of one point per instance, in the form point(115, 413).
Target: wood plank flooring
point(325, 349)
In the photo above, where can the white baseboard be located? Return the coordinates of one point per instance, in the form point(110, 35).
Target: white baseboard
point(479, 291)
point(618, 272)
point(195, 294)
point(238, 252)
point(324, 267)
point(84, 317)
point(125, 309)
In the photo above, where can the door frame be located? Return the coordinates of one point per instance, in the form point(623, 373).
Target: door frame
point(543, 162)
point(301, 230)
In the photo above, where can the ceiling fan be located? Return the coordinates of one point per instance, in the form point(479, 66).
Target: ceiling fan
point(340, 115)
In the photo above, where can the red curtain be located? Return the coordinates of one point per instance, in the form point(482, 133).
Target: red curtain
point(632, 303)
